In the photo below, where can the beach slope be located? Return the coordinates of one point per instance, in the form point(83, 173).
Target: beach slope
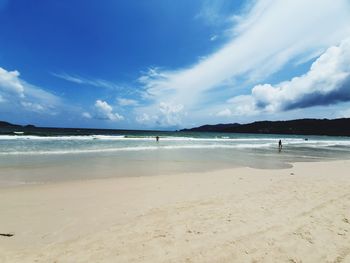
point(300, 214)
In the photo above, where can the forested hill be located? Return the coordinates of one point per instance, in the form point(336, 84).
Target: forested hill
point(336, 127)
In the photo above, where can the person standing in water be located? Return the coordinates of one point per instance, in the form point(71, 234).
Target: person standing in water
point(279, 145)
point(157, 138)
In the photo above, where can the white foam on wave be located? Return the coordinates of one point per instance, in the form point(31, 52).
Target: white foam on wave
point(143, 143)
point(138, 148)
point(323, 143)
point(60, 138)
point(140, 138)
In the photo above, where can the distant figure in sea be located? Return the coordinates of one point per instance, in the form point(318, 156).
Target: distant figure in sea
point(157, 138)
point(279, 145)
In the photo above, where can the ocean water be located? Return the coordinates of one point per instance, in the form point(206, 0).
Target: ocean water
point(29, 158)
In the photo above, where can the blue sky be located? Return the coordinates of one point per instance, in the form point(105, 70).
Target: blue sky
point(164, 64)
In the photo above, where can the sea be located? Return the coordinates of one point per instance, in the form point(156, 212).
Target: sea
point(40, 159)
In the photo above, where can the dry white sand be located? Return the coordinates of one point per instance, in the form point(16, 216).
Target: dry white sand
point(301, 214)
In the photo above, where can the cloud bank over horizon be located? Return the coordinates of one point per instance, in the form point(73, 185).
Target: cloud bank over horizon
point(327, 82)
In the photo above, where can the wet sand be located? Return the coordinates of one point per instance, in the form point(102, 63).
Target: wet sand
point(299, 214)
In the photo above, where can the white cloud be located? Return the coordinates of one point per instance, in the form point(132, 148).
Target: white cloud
point(144, 118)
point(345, 113)
point(213, 38)
point(86, 81)
point(224, 113)
point(105, 111)
point(16, 93)
point(10, 82)
point(127, 102)
point(86, 115)
point(327, 82)
point(36, 107)
point(268, 36)
point(164, 115)
point(171, 114)
point(214, 13)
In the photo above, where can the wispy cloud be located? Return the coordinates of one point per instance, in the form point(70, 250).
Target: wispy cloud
point(86, 115)
point(215, 13)
point(127, 102)
point(266, 37)
point(213, 38)
point(100, 83)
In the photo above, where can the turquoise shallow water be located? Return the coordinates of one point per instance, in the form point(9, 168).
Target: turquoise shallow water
point(59, 145)
point(34, 158)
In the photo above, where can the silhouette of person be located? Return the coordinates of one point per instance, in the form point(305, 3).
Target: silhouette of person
point(157, 138)
point(279, 145)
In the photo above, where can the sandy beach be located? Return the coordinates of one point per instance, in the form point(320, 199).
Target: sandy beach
point(299, 214)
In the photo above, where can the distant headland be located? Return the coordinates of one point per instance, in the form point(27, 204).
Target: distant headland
point(335, 127)
point(7, 128)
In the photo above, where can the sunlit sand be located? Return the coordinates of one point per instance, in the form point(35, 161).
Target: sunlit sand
point(299, 214)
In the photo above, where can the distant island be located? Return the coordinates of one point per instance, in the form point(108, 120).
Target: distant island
point(336, 127)
point(7, 128)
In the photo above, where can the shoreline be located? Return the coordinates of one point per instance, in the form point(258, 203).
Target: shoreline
point(70, 171)
point(241, 214)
